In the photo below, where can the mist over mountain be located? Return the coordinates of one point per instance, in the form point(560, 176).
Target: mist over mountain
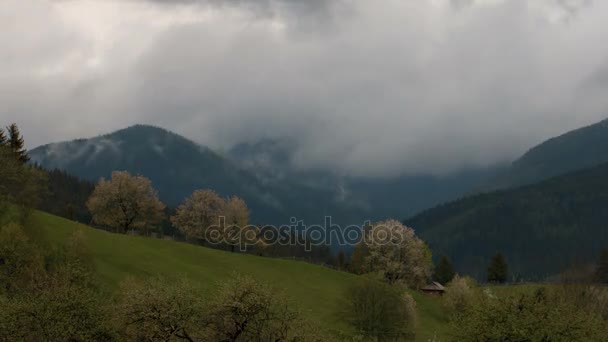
point(263, 173)
point(578, 149)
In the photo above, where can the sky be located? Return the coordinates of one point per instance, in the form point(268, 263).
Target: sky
point(368, 88)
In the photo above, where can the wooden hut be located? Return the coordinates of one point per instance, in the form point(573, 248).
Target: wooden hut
point(433, 289)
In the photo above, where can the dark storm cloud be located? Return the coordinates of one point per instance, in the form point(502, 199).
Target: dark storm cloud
point(364, 87)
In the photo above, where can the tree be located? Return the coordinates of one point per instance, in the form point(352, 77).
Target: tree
point(601, 272)
point(236, 212)
point(198, 213)
point(398, 254)
point(380, 312)
point(444, 272)
point(16, 143)
point(158, 310)
point(460, 294)
point(498, 271)
point(3, 140)
point(237, 220)
point(247, 310)
point(20, 184)
point(358, 258)
point(341, 259)
point(125, 202)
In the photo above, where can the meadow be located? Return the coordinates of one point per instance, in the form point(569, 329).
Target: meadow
point(316, 290)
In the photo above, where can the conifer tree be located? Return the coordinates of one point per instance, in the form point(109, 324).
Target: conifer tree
point(444, 272)
point(601, 272)
point(16, 143)
point(498, 270)
point(2, 137)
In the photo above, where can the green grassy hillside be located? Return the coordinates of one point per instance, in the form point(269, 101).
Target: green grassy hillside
point(316, 290)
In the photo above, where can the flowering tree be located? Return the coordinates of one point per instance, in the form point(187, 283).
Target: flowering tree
point(125, 202)
point(398, 254)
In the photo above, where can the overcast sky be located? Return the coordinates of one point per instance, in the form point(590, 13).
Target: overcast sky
point(366, 87)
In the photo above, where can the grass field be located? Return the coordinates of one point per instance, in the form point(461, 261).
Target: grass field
point(316, 290)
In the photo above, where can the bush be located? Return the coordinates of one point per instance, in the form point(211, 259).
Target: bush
point(158, 310)
point(247, 310)
point(542, 316)
point(380, 312)
point(460, 294)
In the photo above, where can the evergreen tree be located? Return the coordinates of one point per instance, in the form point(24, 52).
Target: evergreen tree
point(498, 270)
point(444, 272)
point(16, 143)
point(341, 259)
point(2, 137)
point(601, 272)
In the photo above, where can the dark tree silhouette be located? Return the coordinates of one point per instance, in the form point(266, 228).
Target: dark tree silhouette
point(3, 140)
point(16, 143)
point(498, 270)
point(444, 272)
point(601, 272)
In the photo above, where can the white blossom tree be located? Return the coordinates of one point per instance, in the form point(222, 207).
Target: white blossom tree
point(198, 213)
point(398, 254)
point(125, 202)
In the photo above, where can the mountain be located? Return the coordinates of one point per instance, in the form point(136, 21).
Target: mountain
point(175, 165)
point(374, 198)
point(579, 149)
point(542, 228)
point(262, 172)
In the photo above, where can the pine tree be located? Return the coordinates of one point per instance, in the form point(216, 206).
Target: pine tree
point(444, 272)
point(16, 143)
point(2, 137)
point(601, 272)
point(341, 260)
point(498, 270)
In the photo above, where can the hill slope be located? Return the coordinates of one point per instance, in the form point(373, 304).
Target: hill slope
point(317, 290)
point(576, 150)
point(542, 228)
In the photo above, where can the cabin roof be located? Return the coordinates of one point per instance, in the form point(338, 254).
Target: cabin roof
point(434, 286)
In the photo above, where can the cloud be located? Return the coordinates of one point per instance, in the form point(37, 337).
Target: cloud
point(364, 87)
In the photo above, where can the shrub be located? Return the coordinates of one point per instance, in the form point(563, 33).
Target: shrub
point(380, 312)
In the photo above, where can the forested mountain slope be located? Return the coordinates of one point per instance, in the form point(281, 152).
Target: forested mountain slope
point(541, 228)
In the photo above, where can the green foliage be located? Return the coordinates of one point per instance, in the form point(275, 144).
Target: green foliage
point(444, 271)
point(380, 312)
point(542, 316)
point(20, 184)
point(460, 293)
point(56, 311)
point(247, 310)
point(601, 273)
point(158, 310)
point(21, 263)
point(50, 297)
point(498, 271)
